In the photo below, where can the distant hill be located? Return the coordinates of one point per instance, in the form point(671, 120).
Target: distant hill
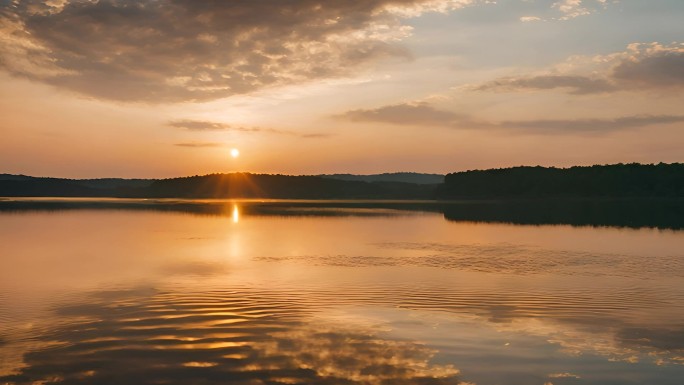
point(100, 183)
point(114, 183)
point(618, 180)
point(29, 186)
point(404, 177)
point(235, 185)
point(15, 177)
point(245, 185)
point(50, 187)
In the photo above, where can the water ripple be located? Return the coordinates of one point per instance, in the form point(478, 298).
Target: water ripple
point(263, 339)
point(504, 259)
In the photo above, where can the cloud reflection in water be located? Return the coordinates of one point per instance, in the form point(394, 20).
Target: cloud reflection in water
point(243, 338)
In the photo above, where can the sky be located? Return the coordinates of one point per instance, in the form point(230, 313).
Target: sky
point(164, 88)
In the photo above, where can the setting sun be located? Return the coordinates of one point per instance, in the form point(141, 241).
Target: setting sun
point(234, 152)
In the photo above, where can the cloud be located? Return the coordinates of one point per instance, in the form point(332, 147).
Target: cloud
point(196, 125)
point(316, 136)
point(641, 66)
point(403, 114)
point(199, 144)
point(281, 345)
point(203, 125)
point(526, 19)
point(575, 84)
point(564, 375)
point(187, 50)
point(423, 114)
point(591, 125)
point(652, 66)
point(571, 8)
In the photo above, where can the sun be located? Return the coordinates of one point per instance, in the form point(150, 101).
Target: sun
point(234, 152)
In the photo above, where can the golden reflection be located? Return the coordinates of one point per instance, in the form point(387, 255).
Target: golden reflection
point(194, 364)
point(236, 214)
point(358, 355)
point(285, 347)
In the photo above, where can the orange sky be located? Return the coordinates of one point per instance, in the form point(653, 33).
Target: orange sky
point(158, 89)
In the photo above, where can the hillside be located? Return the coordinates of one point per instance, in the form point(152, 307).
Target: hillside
point(235, 185)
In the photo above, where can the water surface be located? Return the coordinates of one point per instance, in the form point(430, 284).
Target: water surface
point(199, 292)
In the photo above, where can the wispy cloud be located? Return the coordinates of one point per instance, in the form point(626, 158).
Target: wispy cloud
point(199, 144)
point(527, 19)
point(590, 125)
point(203, 125)
point(403, 114)
point(575, 84)
point(426, 115)
point(316, 136)
point(564, 375)
point(570, 9)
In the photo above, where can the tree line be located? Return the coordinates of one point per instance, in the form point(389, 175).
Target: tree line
point(618, 180)
point(605, 181)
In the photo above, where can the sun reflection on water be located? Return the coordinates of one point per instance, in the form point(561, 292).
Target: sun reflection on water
point(236, 214)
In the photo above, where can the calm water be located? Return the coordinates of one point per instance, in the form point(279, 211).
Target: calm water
point(139, 292)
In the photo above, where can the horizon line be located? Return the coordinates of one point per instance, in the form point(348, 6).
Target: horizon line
point(345, 173)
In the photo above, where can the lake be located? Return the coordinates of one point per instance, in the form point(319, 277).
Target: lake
point(290, 292)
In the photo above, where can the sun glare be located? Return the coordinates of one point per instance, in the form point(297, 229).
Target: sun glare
point(234, 152)
point(236, 214)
